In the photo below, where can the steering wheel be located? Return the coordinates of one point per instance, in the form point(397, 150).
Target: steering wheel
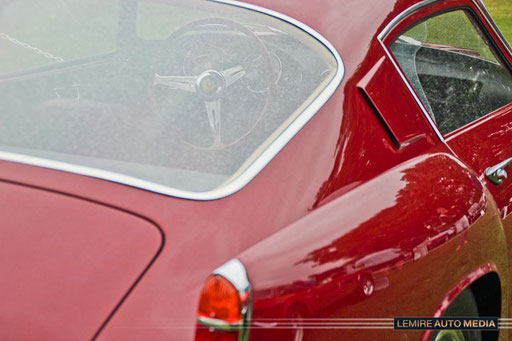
point(214, 84)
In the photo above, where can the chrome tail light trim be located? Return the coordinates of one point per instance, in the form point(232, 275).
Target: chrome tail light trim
point(234, 271)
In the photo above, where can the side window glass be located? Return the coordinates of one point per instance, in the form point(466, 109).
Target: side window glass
point(55, 31)
point(453, 69)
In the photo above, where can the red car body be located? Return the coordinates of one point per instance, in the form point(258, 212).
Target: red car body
point(367, 190)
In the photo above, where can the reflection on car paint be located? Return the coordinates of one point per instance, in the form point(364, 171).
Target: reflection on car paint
point(336, 274)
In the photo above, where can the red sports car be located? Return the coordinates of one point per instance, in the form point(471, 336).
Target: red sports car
point(259, 170)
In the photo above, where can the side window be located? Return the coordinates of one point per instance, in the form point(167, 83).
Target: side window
point(55, 31)
point(453, 69)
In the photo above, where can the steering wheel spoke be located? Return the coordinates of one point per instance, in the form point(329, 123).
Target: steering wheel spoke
point(185, 83)
point(213, 112)
point(202, 67)
point(233, 74)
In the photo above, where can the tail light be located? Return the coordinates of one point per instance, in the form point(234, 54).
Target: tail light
point(225, 305)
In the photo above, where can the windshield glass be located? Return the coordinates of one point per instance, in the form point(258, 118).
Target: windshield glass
point(182, 94)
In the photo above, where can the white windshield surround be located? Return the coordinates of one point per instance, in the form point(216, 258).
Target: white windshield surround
point(236, 182)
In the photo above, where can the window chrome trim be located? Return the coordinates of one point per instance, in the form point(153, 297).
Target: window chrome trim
point(251, 171)
point(414, 8)
point(389, 27)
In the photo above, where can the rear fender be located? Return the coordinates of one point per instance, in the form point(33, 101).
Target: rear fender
point(412, 233)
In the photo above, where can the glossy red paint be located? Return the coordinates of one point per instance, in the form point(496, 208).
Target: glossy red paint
point(58, 253)
point(340, 206)
point(325, 257)
point(378, 85)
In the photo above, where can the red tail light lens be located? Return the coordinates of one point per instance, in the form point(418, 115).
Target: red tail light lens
point(225, 305)
point(220, 300)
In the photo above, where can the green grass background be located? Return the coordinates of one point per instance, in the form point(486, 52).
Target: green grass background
point(455, 29)
point(501, 11)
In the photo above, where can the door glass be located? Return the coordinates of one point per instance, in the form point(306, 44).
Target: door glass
point(453, 69)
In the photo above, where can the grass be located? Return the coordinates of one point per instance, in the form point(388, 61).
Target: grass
point(452, 29)
point(501, 11)
point(455, 29)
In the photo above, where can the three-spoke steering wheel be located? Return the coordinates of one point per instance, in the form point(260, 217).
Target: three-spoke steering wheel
point(212, 56)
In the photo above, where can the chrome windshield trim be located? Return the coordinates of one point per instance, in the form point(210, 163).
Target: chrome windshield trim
point(383, 35)
point(250, 172)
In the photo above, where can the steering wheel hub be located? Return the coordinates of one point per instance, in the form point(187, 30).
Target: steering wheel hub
point(210, 84)
point(208, 102)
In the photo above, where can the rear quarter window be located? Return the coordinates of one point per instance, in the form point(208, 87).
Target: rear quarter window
point(187, 98)
point(38, 33)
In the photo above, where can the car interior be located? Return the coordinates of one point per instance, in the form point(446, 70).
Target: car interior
point(200, 103)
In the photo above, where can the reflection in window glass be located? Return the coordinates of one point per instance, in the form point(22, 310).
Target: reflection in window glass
point(38, 33)
point(191, 97)
point(453, 69)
